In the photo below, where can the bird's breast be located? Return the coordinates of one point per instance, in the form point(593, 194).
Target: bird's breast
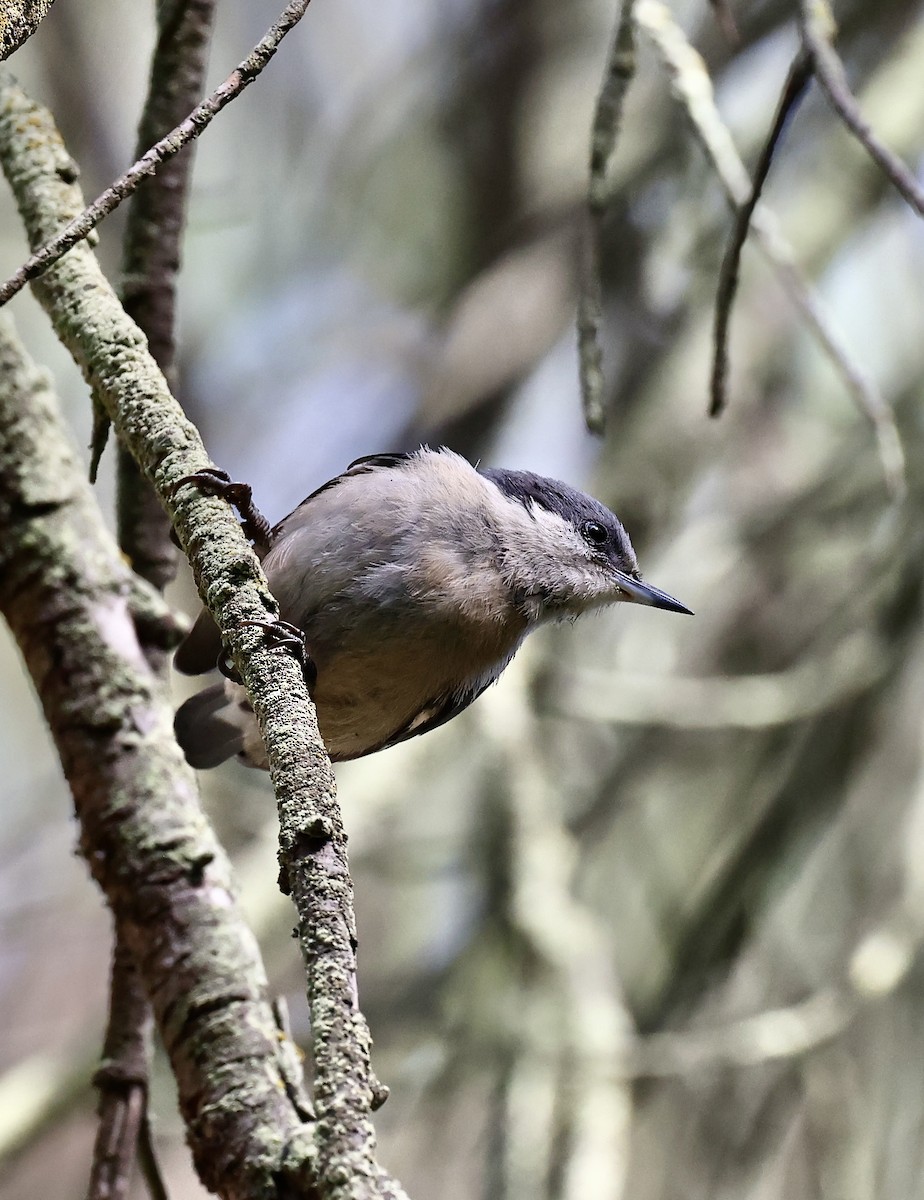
point(368, 694)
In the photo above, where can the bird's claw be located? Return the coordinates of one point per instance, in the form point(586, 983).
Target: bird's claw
point(284, 636)
point(215, 482)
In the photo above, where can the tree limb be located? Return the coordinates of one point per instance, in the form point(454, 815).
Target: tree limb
point(69, 599)
point(115, 361)
point(151, 261)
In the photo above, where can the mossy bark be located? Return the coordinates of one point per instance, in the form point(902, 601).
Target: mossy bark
point(127, 383)
point(76, 609)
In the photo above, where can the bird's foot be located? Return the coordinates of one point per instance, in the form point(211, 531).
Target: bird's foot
point(282, 635)
point(215, 482)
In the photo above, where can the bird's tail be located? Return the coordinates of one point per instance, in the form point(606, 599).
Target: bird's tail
point(206, 729)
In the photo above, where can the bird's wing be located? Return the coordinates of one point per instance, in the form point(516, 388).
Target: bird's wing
point(359, 466)
point(437, 713)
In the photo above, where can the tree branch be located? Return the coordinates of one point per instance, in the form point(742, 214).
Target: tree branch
point(115, 361)
point(85, 221)
point(19, 19)
point(151, 261)
point(692, 87)
point(69, 599)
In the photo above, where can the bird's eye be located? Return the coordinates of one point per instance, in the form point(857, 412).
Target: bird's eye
point(594, 533)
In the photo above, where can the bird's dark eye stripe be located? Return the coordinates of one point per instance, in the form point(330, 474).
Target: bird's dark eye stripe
point(594, 533)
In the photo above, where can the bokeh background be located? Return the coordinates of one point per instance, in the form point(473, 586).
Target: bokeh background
point(646, 920)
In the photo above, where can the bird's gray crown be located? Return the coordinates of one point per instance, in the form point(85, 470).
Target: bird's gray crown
point(572, 505)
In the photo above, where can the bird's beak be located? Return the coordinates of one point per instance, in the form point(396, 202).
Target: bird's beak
point(643, 593)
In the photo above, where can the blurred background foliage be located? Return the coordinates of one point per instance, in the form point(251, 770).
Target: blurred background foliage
point(646, 920)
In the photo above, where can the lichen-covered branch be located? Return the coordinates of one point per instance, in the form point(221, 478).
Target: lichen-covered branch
point(151, 260)
point(70, 601)
point(19, 19)
point(114, 358)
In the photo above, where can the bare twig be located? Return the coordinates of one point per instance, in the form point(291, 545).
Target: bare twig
point(122, 1080)
point(793, 90)
point(816, 29)
point(692, 86)
point(620, 69)
point(200, 118)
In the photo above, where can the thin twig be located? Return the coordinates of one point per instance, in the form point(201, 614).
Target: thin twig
point(692, 87)
point(122, 1080)
point(793, 90)
point(816, 29)
point(147, 1161)
point(189, 129)
point(620, 69)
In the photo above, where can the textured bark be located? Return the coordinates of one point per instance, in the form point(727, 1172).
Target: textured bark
point(151, 261)
point(19, 19)
point(127, 383)
point(77, 612)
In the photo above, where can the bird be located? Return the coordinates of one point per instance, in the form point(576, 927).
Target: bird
point(413, 578)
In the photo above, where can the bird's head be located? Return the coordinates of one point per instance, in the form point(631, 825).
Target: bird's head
point(565, 552)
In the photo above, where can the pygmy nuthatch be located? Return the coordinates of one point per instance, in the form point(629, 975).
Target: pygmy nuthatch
point(414, 577)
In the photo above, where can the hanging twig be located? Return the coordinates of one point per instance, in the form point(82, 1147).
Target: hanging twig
point(692, 86)
point(199, 119)
point(793, 90)
point(620, 69)
point(816, 29)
